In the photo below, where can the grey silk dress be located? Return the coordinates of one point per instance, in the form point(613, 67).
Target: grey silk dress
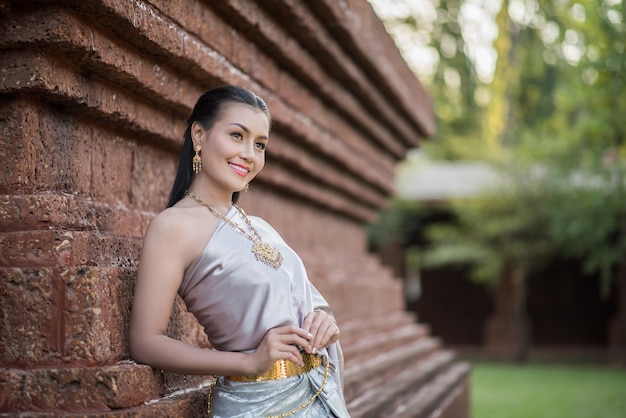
point(237, 299)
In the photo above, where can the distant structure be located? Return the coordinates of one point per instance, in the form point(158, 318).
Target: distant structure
point(567, 314)
point(93, 101)
point(431, 181)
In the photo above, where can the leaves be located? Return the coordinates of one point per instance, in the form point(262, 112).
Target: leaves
point(553, 116)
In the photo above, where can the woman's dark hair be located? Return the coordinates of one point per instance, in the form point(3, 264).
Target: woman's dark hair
point(208, 109)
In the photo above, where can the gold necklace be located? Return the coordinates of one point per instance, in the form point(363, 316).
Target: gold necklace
point(264, 252)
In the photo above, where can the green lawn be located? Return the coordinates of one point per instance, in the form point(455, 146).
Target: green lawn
point(536, 390)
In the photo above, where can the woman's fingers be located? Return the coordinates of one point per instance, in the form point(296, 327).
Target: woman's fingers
point(283, 342)
point(322, 327)
point(293, 335)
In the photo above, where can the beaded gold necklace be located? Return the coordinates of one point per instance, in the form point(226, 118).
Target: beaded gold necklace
point(264, 252)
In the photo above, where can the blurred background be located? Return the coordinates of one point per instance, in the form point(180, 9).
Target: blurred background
point(509, 226)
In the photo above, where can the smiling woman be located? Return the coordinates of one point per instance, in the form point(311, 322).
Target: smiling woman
point(276, 348)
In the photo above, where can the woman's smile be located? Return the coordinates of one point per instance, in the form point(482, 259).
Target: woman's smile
point(242, 170)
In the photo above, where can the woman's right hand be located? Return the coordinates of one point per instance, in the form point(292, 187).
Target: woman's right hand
point(280, 344)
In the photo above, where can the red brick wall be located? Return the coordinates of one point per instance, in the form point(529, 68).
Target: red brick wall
point(93, 101)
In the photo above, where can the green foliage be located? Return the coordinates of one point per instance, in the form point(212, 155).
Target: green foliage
point(493, 232)
point(454, 82)
point(588, 220)
point(556, 114)
point(399, 223)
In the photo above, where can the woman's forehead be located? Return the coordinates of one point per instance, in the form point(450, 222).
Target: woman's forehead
point(239, 113)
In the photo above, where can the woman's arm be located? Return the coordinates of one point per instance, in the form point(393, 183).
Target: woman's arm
point(164, 257)
point(161, 268)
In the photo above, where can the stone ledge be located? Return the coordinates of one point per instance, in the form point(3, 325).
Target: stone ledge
point(446, 390)
point(354, 23)
point(359, 328)
point(20, 213)
point(281, 178)
point(93, 49)
point(64, 86)
point(53, 317)
point(320, 171)
point(58, 248)
point(55, 80)
point(363, 298)
point(274, 64)
point(107, 166)
point(189, 404)
point(393, 390)
point(360, 378)
point(97, 389)
point(308, 67)
point(382, 341)
point(75, 44)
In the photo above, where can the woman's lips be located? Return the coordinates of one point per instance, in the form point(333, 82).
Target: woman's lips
point(240, 169)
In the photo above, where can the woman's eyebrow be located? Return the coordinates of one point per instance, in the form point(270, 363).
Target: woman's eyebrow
point(244, 127)
point(246, 130)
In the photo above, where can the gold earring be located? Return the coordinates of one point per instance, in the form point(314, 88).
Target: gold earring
point(196, 162)
point(246, 187)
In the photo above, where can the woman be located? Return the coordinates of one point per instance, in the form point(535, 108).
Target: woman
point(275, 341)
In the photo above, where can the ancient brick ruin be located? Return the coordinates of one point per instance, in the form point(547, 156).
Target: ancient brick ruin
point(93, 100)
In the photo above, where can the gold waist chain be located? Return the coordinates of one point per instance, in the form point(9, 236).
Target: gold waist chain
point(282, 369)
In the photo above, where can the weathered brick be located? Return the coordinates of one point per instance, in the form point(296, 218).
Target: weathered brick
point(63, 154)
point(97, 312)
point(18, 126)
point(189, 13)
point(44, 248)
point(44, 211)
point(31, 302)
point(55, 316)
point(37, 143)
point(153, 173)
point(78, 389)
point(94, 97)
point(56, 79)
point(183, 326)
point(112, 162)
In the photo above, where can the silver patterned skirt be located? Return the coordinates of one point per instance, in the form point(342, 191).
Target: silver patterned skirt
point(276, 398)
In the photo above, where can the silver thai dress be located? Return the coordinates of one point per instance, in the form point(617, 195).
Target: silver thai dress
point(237, 299)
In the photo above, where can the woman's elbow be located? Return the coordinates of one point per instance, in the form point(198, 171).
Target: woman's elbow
point(138, 348)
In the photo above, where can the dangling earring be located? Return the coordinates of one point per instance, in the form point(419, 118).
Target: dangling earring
point(246, 187)
point(196, 162)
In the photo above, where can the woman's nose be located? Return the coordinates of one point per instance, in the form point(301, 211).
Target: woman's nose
point(247, 151)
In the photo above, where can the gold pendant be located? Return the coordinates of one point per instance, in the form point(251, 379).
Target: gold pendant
point(267, 254)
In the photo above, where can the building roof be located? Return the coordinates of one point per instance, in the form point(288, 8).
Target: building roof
point(423, 180)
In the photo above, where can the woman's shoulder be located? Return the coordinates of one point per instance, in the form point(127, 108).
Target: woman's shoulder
point(172, 225)
point(182, 230)
point(170, 221)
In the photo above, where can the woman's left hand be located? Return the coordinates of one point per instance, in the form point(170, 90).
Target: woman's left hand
point(323, 328)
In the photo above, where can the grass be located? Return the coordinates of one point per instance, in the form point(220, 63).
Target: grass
point(536, 390)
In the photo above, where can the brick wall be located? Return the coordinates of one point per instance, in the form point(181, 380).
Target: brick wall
point(93, 101)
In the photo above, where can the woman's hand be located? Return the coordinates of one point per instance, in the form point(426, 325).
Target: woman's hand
point(322, 327)
point(280, 344)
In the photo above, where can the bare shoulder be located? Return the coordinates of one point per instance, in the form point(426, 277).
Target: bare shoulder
point(168, 225)
point(180, 232)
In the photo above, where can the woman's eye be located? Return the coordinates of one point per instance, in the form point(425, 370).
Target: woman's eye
point(236, 135)
point(261, 145)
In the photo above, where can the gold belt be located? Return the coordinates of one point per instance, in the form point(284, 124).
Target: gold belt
point(282, 369)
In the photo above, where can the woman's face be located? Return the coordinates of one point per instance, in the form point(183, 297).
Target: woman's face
point(233, 150)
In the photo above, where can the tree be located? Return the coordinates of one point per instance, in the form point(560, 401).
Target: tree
point(452, 78)
point(498, 239)
point(556, 107)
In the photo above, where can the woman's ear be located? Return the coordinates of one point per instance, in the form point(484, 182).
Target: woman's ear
point(197, 133)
